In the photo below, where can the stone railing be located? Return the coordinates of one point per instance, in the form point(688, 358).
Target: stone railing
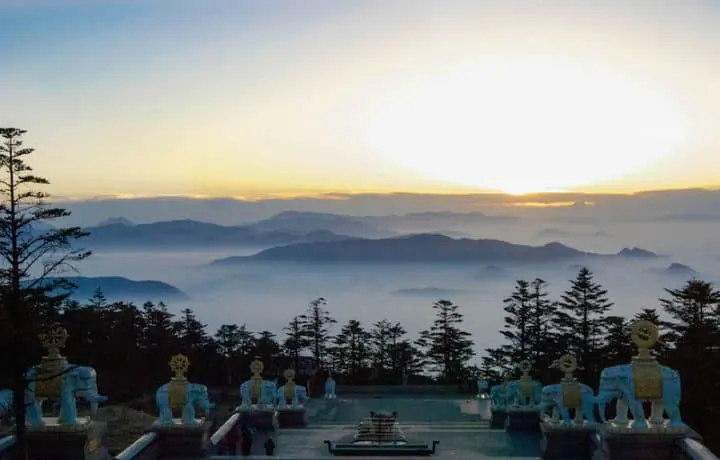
point(7, 448)
point(145, 447)
point(217, 437)
point(688, 448)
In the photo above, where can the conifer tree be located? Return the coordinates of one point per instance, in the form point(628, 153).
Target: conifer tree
point(316, 325)
point(296, 341)
point(353, 343)
point(518, 322)
point(448, 348)
point(581, 320)
point(31, 253)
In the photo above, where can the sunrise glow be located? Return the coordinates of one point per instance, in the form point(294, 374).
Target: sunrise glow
point(526, 126)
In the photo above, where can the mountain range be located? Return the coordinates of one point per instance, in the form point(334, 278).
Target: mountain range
point(415, 248)
point(119, 288)
point(290, 227)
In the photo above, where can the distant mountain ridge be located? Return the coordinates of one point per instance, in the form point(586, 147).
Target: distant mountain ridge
point(190, 233)
point(120, 288)
point(415, 248)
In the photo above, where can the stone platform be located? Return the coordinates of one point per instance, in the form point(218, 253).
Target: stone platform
point(61, 442)
point(178, 440)
point(522, 419)
point(292, 417)
point(260, 419)
point(560, 442)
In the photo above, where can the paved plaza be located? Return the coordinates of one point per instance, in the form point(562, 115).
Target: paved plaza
point(460, 425)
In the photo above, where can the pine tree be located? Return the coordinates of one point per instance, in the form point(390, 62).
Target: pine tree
point(227, 343)
point(694, 330)
point(191, 332)
point(543, 343)
point(618, 347)
point(517, 328)
point(395, 337)
point(296, 341)
point(448, 348)
point(380, 343)
point(353, 344)
point(316, 325)
point(581, 320)
point(31, 254)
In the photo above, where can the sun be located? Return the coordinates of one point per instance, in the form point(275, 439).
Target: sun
point(524, 126)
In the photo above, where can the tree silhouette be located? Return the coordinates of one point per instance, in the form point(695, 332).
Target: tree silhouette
point(448, 348)
point(31, 253)
point(581, 321)
point(316, 325)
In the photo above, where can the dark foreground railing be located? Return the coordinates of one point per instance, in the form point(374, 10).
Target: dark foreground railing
point(7, 447)
point(689, 448)
point(145, 447)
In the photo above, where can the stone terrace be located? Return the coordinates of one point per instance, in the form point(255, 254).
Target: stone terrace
point(459, 424)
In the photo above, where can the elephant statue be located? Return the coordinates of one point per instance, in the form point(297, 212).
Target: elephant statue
point(92, 396)
point(617, 382)
point(552, 398)
point(6, 403)
point(196, 396)
point(482, 387)
point(517, 398)
point(268, 393)
point(299, 397)
point(499, 395)
point(330, 388)
point(73, 380)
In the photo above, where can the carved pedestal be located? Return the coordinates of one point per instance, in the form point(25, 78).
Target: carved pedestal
point(292, 417)
point(262, 419)
point(179, 440)
point(653, 443)
point(560, 442)
point(497, 418)
point(62, 442)
point(522, 419)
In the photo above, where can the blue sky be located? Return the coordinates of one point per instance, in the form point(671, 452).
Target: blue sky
point(238, 98)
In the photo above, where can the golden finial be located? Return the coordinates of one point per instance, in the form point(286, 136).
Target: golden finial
point(289, 375)
point(256, 367)
point(525, 367)
point(644, 335)
point(179, 365)
point(53, 340)
point(566, 364)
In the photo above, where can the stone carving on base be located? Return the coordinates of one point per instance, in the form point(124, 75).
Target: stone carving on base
point(330, 387)
point(568, 394)
point(256, 392)
point(642, 380)
point(181, 395)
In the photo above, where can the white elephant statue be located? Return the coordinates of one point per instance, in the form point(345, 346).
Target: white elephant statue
point(482, 388)
point(268, 394)
point(298, 399)
point(499, 395)
point(617, 382)
point(6, 402)
point(91, 395)
point(330, 388)
point(196, 396)
point(552, 398)
point(73, 380)
point(517, 398)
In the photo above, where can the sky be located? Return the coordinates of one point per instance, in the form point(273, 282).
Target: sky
point(266, 97)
